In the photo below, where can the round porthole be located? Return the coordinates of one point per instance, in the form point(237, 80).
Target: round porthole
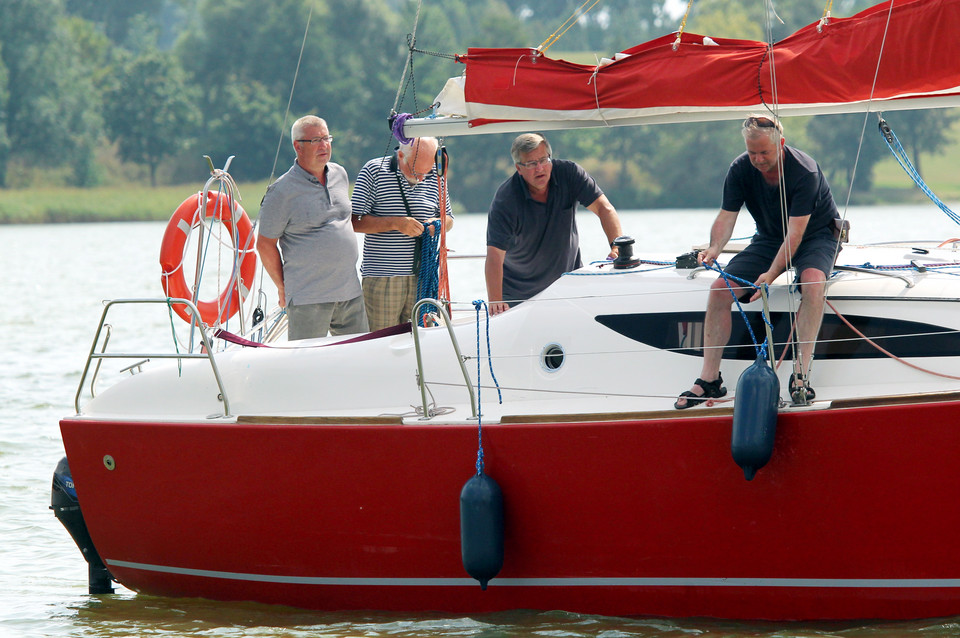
point(551, 358)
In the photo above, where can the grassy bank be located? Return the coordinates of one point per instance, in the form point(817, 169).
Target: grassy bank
point(136, 202)
point(107, 204)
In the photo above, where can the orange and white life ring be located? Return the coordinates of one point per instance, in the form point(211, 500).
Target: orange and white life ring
point(181, 224)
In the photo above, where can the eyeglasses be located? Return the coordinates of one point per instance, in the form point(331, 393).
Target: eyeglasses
point(543, 161)
point(316, 140)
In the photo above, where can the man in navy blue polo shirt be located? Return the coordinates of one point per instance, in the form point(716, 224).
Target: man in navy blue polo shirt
point(532, 234)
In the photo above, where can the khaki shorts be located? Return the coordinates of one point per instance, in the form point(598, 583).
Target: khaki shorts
point(389, 300)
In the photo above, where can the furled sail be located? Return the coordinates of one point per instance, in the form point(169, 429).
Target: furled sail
point(904, 56)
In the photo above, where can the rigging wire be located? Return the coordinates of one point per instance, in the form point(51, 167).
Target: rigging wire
point(866, 115)
point(827, 14)
point(255, 299)
point(774, 110)
point(411, 43)
point(431, 248)
point(578, 13)
point(293, 86)
point(683, 25)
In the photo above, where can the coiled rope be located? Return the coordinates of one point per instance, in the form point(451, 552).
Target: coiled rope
point(428, 272)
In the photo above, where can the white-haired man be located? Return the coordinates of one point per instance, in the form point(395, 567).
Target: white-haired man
point(306, 242)
point(393, 197)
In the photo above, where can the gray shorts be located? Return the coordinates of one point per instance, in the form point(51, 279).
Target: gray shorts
point(335, 317)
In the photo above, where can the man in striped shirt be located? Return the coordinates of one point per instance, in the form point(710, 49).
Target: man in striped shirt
point(393, 197)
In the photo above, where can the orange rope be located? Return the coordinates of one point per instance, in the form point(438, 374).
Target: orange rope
point(889, 354)
point(443, 290)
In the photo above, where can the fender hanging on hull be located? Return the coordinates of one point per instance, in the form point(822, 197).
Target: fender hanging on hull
point(755, 417)
point(481, 528)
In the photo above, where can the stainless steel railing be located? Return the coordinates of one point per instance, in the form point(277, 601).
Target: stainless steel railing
point(456, 348)
point(103, 354)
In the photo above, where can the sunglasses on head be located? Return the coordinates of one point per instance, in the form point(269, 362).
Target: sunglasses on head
point(762, 122)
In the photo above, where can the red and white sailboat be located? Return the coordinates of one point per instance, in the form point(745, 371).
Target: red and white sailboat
point(298, 473)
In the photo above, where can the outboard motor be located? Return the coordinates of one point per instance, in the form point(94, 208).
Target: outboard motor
point(481, 528)
point(66, 507)
point(625, 258)
point(755, 417)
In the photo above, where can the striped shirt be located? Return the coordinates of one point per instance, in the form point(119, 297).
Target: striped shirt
point(377, 192)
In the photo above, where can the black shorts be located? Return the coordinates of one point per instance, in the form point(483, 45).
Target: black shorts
point(818, 251)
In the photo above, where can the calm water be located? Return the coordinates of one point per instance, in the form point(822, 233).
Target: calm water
point(54, 278)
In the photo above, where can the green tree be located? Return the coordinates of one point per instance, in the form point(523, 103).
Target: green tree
point(151, 111)
point(477, 163)
point(846, 151)
point(605, 29)
point(691, 162)
point(728, 19)
point(113, 16)
point(349, 63)
point(4, 139)
point(247, 126)
point(50, 94)
point(922, 132)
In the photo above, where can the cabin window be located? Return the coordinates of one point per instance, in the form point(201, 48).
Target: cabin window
point(683, 332)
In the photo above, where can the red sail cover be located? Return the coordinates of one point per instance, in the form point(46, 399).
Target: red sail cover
point(904, 56)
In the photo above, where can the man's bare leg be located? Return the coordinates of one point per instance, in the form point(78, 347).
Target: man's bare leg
point(716, 332)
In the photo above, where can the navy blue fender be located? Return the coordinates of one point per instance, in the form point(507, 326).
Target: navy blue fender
point(481, 528)
point(755, 417)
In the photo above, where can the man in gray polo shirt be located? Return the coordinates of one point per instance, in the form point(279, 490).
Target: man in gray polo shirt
point(306, 240)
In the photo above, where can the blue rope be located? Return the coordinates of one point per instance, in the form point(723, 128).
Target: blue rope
point(477, 305)
point(761, 350)
point(938, 267)
point(897, 149)
point(428, 274)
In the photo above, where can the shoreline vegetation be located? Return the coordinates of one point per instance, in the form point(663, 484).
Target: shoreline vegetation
point(136, 202)
point(108, 203)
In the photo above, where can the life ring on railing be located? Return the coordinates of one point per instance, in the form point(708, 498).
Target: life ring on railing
point(174, 243)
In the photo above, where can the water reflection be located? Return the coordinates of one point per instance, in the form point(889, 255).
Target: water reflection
point(56, 288)
point(127, 614)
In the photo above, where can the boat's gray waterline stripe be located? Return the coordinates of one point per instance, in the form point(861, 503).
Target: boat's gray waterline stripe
point(555, 582)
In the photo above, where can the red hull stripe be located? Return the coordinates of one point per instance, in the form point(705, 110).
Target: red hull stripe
point(859, 583)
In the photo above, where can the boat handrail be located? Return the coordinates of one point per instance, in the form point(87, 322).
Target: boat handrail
point(93, 354)
point(875, 271)
point(456, 347)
